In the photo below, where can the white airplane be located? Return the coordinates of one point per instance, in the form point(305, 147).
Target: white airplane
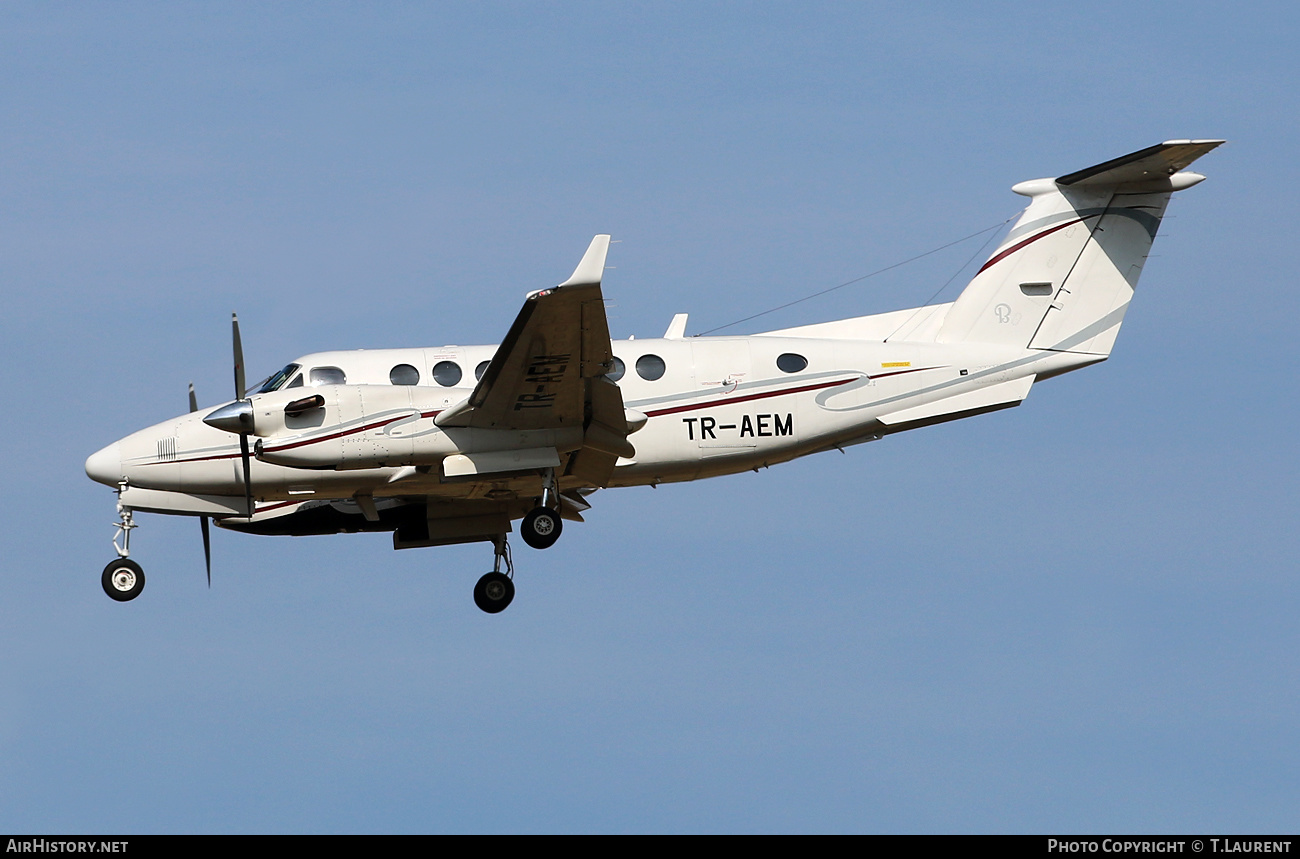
point(452, 444)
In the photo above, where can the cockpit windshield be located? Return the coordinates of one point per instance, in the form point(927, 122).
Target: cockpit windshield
point(275, 382)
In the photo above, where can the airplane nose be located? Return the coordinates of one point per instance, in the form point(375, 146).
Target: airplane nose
point(105, 466)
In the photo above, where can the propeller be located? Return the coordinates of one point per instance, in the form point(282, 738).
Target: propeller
point(203, 520)
point(246, 416)
point(237, 418)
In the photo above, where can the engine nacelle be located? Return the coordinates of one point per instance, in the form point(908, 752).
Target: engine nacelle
point(377, 426)
point(350, 426)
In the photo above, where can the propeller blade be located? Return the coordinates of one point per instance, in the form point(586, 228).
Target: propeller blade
point(207, 547)
point(240, 393)
point(248, 478)
point(239, 358)
point(203, 520)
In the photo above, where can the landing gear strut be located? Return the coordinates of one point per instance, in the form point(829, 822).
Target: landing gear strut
point(123, 579)
point(496, 589)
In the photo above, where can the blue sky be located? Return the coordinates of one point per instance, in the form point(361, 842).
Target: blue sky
point(1074, 616)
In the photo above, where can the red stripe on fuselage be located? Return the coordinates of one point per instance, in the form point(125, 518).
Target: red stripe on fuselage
point(340, 434)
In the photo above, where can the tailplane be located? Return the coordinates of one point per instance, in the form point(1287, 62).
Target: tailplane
point(1063, 277)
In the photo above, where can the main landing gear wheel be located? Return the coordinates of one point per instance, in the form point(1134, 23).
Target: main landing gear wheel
point(541, 528)
point(123, 580)
point(494, 592)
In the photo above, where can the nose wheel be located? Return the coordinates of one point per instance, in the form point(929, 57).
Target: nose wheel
point(123, 580)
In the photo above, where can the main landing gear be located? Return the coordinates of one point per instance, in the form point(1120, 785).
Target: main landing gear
point(123, 579)
point(541, 528)
point(496, 589)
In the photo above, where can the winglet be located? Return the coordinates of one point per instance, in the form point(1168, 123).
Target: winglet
point(591, 268)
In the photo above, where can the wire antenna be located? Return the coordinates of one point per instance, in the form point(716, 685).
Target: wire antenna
point(866, 276)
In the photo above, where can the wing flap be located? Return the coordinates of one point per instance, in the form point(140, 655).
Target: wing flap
point(500, 462)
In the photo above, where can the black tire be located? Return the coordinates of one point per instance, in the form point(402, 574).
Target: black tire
point(123, 580)
point(494, 592)
point(541, 528)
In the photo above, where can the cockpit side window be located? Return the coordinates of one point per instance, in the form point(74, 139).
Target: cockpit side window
point(327, 376)
point(274, 382)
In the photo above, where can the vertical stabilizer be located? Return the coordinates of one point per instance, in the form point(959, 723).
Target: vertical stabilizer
point(1063, 277)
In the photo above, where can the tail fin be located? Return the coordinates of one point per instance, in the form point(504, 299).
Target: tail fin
point(1064, 275)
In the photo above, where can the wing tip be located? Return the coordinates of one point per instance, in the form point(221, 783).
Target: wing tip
point(592, 267)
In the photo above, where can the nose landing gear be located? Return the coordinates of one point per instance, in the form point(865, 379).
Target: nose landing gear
point(122, 578)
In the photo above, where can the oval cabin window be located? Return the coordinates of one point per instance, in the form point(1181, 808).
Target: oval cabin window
point(404, 374)
point(789, 362)
point(446, 373)
point(650, 367)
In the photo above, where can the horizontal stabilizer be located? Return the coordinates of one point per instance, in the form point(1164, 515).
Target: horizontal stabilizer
point(1155, 162)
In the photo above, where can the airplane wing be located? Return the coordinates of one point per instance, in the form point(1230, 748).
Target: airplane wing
point(549, 372)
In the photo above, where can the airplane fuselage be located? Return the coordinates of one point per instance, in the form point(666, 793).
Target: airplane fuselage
point(720, 405)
